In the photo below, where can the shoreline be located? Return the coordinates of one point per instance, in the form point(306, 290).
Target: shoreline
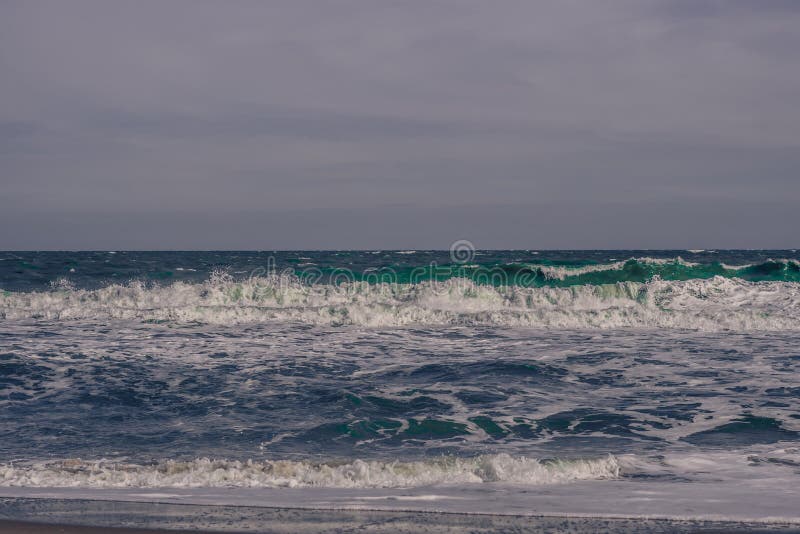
point(754, 501)
point(31, 527)
point(47, 515)
point(284, 521)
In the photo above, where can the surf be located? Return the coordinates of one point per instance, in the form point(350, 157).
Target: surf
point(713, 304)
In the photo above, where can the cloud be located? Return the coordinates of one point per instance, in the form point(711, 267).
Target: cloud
point(154, 109)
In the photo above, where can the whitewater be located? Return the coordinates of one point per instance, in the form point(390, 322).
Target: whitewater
point(713, 304)
point(574, 383)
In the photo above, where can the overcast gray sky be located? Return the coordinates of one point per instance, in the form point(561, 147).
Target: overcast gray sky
point(399, 124)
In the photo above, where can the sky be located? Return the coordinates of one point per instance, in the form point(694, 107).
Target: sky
point(378, 124)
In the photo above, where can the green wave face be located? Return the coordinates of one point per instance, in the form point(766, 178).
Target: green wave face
point(565, 274)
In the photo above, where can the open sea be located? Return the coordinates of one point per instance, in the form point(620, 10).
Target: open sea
point(620, 383)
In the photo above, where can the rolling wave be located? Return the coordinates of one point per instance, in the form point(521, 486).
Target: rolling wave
point(204, 472)
point(712, 304)
point(632, 270)
point(547, 273)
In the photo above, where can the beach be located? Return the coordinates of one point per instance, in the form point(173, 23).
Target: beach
point(438, 266)
point(80, 516)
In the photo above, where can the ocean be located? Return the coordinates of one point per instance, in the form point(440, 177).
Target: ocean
point(618, 383)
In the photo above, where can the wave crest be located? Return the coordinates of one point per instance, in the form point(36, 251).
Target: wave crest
point(712, 305)
point(204, 472)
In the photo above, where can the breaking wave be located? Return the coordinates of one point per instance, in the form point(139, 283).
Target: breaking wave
point(643, 269)
point(712, 304)
point(204, 472)
point(546, 273)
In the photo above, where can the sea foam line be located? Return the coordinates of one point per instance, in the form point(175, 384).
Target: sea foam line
point(204, 472)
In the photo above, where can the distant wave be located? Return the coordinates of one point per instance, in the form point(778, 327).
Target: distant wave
point(286, 473)
point(561, 274)
point(644, 269)
point(712, 304)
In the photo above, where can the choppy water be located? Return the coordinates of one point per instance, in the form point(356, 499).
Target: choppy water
point(207, 369)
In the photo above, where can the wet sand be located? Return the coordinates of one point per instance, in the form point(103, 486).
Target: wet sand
point(58, 516)
point(21, 527)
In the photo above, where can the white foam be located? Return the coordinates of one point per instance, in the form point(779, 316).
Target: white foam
point(765, 462)
point(204, 472)
point(714, 304)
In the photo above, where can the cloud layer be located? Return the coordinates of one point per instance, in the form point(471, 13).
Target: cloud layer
point(359, 124)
